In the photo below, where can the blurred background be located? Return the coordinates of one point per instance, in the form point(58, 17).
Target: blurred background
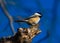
point(11, 10)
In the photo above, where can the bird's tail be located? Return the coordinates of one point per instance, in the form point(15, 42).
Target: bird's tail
point(20, 21)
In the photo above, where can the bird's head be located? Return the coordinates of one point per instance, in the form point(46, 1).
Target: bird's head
point(37, 14)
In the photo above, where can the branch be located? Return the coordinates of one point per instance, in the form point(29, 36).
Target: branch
point(8, 15)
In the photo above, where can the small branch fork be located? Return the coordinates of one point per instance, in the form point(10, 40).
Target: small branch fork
point(2, 4)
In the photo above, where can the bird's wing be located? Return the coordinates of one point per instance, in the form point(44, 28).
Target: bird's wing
point(30, 17)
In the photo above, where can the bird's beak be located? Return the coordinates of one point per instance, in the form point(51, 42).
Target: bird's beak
point(40, 16)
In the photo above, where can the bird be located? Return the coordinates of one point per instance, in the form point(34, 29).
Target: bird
point(32, 20)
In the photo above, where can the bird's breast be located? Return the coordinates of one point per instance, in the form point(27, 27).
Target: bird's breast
point(34, 20)
point(37, 20)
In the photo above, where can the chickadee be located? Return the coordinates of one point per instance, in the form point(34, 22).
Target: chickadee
point(32, 20)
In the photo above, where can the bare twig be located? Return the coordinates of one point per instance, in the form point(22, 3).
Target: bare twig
point(8, 15)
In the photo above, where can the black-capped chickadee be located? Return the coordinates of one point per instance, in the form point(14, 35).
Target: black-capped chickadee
point(32, 20)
